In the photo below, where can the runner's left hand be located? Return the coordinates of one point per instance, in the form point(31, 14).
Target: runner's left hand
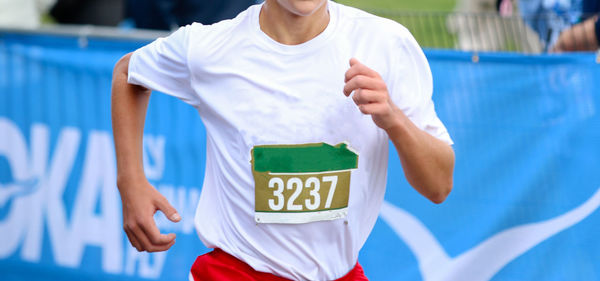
point(370, 94)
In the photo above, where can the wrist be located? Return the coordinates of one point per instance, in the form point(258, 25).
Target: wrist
point(399, 123)
point(133, 179)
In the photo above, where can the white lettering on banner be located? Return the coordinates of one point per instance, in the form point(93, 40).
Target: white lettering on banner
point(104, 230)
point(491, 255)
point(146, 268)
point(12, 146)
point(32, 245)
point(35, 195)
point(46, 199)
point(54, 187)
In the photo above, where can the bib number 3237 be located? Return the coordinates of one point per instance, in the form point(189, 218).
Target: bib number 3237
point(302, 183)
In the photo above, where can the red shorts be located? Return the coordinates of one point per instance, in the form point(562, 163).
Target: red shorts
point(220, 266)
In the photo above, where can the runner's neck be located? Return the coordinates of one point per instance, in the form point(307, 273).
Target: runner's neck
point(291, 24)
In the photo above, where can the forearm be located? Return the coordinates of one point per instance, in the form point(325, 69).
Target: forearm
point(428, 162)
point(128, 108)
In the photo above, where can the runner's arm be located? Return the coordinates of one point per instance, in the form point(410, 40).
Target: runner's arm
point(140, 200)
point(428, 162)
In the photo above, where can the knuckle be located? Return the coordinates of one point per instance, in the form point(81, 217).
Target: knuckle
point(143, 248)
point(154, 240)
point(161, 198)
point(157, 199)
point(130, 226)
point(360, 80)
point(134, 227)
point(140, 221)
point(129, 231)
point(352, 80)
point(368, 94)
point(161, 204)
point(134, 245)
point(363, 109)
point(379, 96)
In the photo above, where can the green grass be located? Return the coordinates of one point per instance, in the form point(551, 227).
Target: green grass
point(426, 19)
point(403, 5)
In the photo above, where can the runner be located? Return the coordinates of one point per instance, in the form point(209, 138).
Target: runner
point(299, 99)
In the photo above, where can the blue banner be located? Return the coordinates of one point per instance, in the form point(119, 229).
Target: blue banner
point(527, 177)
point(524, 204)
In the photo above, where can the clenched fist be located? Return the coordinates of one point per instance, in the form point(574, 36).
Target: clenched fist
point(370, 94)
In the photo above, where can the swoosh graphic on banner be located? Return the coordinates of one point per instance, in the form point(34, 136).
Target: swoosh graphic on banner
point(483, 261)
point(9, 191)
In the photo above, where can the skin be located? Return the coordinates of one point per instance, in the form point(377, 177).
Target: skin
point(428, 162)
point(580, 37)
point(140, 199)
point(293, 22)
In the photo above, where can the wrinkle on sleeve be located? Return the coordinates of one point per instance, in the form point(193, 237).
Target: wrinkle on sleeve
point(163, 66)
point(412, 87)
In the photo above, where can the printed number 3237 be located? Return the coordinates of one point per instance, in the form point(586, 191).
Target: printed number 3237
point(313, 200)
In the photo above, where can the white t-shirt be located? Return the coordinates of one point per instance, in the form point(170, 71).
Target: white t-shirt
point(256, 97)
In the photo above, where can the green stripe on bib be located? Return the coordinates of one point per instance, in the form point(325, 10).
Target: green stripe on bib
point(305, 158)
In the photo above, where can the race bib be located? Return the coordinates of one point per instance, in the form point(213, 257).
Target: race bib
point(302, 183)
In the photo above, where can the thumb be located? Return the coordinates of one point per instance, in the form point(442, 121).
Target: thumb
point(169, 211)
point(353, 61)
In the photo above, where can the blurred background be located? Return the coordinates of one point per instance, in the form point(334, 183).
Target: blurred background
point(516, 82)
point(530, 26)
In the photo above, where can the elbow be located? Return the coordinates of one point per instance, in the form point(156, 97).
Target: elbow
point(443, 186)
point(436, 191)
point(441, 193)
point(439, 198)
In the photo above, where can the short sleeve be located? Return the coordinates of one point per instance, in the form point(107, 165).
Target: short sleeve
point(411, 87)
point(163, 66)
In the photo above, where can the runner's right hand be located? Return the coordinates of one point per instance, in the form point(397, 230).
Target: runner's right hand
point(140, 202)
